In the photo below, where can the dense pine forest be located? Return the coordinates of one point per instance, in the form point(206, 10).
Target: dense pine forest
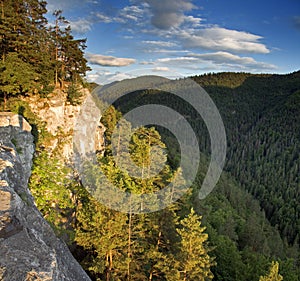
point(38, 56)
point(260, 187)
point(246, 229)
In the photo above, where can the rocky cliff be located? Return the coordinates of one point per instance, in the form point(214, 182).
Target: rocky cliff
point(29, 249)
point(61, 117)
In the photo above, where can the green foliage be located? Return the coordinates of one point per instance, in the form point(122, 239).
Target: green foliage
point(273, 274)
point(260, 113)
point(137, 246)
point(57, 194)
point(293, 103)
point(34, 57)
point(16, 76)
point(74, 94)
point(261, 117)
point(194, 261)
point(39, 130)
point(51, 188)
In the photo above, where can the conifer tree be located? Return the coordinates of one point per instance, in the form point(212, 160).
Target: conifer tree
point(273, 273)
point(16, 77)
point(144, 241)
point(102, 233)
point(194, 261)
point(47, 55)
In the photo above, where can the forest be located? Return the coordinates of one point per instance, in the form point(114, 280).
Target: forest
point(36, 56)
point(246, 229)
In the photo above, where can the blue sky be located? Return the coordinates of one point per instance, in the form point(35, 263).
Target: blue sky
point(174, 38)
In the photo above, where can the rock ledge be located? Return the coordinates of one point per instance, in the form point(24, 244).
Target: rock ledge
point(29, 249)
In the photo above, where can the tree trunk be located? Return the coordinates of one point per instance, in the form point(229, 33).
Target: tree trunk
point(129, 243)
point(5, 100)
point(107, 270)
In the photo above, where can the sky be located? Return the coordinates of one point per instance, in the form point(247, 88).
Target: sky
point(179, 38)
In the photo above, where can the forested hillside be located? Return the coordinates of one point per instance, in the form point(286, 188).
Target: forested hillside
point(262, 118)
point(262, 121)
point(261, 114)
point(246, 229)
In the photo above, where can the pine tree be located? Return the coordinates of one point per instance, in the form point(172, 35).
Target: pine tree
point(23, 35)
point(13, 26)
point(273, 273)
point(16, 77)
point(194, 261)
point(68, 53)
point(102, 233)
point(146, 251)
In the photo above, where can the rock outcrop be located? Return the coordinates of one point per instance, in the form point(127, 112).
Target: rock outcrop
point(29, 249)
point(61, 117)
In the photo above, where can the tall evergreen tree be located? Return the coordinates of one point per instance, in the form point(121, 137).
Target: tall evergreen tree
point(273, 273)
point(16, 77)
point(194, 261)
point(49, 55)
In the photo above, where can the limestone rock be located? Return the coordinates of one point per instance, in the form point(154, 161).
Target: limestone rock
point(60, 117)
point(29, 249)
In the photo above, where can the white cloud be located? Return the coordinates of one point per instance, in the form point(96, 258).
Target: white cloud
point(168, 13)
point(128, 37)
point(81, 26)
point(194, 21)
point(165, 51)
point(160, 69)
point(177, 60)
point(126, 15)
point(147, 63)
point(160, 43)
point(131, 13)
point(207, 37)
point(225, 58)
point(220, 61)
point(103, 18)
point(92, 77)
point(108, 60)
point(134, 12)
point(106, 77)
point(217, 38)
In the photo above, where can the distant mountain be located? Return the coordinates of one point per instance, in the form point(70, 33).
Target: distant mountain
point(262, 118)
point(261, 113)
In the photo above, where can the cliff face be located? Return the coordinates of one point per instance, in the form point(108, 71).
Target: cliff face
point(60, 117)
point(29, 249)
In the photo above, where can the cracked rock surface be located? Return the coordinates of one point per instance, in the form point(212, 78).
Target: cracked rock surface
point(29, 249)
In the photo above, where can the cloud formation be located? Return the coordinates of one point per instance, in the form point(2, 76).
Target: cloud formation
point(194, 21)
point(178, 60)
point(223, 61)
point(105, 77)
point(102, 18)
point(225, 58)
point(108, 60)
point(168, 13)
point(130, 13)
point(218, 38)
point(165, 44)
point(81, 26)
point(160, 69)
